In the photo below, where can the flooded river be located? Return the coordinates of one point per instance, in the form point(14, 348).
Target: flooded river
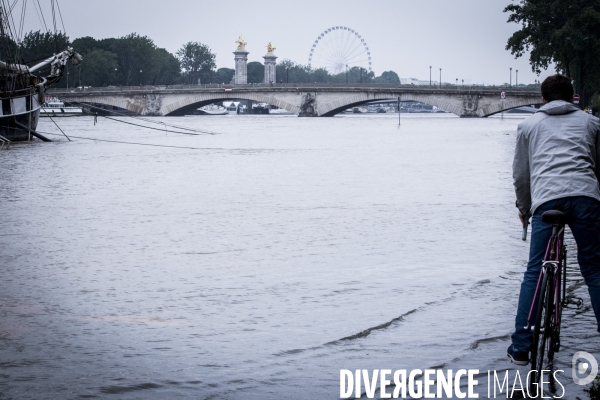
point(258, 262)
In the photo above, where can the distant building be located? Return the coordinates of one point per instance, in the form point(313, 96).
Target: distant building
point(412, 81)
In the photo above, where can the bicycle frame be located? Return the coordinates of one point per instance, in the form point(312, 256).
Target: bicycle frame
point(555, 259)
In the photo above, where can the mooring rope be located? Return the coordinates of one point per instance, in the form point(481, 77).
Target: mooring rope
point(146, 119)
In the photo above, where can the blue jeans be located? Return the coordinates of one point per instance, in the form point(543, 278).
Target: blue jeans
point(583, 217)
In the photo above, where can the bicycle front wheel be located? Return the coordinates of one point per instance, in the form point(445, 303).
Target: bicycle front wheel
point(542, 332)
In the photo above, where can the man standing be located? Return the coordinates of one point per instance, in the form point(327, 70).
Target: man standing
point(557, 167)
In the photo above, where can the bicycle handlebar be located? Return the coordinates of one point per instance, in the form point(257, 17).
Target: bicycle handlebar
point(524, 237)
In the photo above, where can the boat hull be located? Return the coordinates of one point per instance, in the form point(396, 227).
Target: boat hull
point(12, 126)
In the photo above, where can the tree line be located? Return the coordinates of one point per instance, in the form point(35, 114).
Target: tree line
point(136, 60)
point(563, 33)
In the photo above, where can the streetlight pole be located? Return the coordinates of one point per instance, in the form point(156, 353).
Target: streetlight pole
point(346, 74)
point(456, 82)
point(517, 78)
point(287, 74)
point(440, 78)
point(140, 77)
point(510, 84)
point(430, 76)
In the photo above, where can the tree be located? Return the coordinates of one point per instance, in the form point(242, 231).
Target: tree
point(99, 68)
point(36, 46)
point(297, 73)
point(165, 69)
point(388, 78)
point(84, 45)
point(595, 103)
point(359, 75)
point(8, 49)
point(134, 52)
point(256, 72)
point(223, 75)
point(197, 62)
point(566, 33)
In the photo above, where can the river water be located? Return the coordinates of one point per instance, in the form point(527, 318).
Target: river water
point(257, 263)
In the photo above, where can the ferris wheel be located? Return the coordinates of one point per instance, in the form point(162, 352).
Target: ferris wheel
point(338, 47)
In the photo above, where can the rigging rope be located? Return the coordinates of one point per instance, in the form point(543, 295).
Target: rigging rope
point(42, 13)
point(61, 18)
point(38, 13)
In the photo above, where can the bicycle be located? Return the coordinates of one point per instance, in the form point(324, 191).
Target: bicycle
point(551, 292)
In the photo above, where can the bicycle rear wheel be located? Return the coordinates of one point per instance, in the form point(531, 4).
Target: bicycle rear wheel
point(542, 333)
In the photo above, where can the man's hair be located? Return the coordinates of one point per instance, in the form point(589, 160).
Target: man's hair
point(557, 87)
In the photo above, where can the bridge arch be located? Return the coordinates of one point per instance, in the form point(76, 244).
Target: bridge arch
point(465, 104)
point(336, 107)
point(178, 106)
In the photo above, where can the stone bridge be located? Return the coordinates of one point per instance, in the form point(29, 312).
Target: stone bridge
point(312, 100)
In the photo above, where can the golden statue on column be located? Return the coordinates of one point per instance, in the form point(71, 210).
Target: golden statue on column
point(241, 43)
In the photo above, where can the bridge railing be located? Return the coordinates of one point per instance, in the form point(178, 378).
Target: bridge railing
point(351, 86)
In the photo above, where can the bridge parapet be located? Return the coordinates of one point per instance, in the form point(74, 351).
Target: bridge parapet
point(306, 87)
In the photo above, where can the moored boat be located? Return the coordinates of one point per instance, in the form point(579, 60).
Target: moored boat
point(212, 110)
point(21, 88)
point(53, 107)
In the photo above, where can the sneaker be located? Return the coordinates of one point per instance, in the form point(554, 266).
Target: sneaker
point(517, 357)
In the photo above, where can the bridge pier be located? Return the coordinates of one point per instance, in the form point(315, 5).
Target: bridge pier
point(470, 105)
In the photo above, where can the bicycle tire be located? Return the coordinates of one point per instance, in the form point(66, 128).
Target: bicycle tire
point(542, 332)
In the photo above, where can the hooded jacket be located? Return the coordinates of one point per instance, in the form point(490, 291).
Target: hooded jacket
point(557, 155)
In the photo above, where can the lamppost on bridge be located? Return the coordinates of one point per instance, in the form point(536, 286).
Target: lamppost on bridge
point(440, 78)
point(462, 85)
point(517, 78)
point(287, 74)
point(140, 77)
point(456, 82)
point(510, 83)
point(346, 74)
point(430, 76)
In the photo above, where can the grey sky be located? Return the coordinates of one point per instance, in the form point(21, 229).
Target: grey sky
point(466, 38)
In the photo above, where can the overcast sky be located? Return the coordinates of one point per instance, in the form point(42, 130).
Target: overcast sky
point(466, 38)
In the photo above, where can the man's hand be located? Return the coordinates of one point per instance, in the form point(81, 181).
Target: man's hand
point(524, 220)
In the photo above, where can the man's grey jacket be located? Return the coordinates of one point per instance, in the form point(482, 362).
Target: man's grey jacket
point(557, 155)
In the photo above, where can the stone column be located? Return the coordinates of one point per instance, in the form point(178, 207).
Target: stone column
point(270, 68)
point(241, 67)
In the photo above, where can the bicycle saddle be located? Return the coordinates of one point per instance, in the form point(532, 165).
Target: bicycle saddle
point(554, 217)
